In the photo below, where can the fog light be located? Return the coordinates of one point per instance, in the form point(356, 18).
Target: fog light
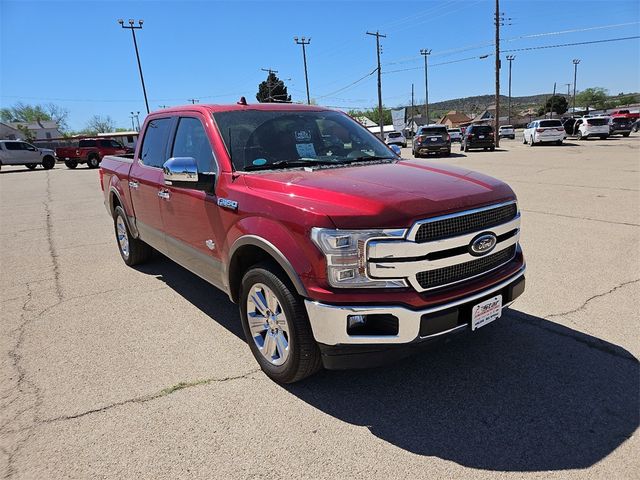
point(354, 321)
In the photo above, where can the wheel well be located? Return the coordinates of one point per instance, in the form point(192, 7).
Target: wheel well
point(48, 156)
point(243, 259)
point(114, 203)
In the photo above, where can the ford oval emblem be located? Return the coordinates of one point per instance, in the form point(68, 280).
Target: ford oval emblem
point(482, 244)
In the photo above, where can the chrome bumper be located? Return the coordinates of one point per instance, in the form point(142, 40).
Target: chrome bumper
point(329, 322)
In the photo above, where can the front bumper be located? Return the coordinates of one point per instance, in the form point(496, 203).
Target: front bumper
point(342, 350)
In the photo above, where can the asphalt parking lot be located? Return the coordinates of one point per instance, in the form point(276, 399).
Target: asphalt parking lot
point(113, 372)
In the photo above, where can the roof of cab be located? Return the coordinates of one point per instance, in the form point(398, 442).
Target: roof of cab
point(212, 108)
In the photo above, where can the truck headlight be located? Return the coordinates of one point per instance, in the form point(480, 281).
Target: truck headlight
point(345, 251)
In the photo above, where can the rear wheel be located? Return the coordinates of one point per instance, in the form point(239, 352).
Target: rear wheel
point(559, 142)
point(71, 164)
point(580, 137)
point(492, 149)
point(93, 161)
point(531, 144)
point(276, 326)
point(132, 250)
point(604, 137)
point(31, 166)
point(524, 140)
point(626, 134)
point(466, 148)
point(48, 162)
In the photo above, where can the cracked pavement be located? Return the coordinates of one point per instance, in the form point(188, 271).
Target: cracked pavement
point(113, 372)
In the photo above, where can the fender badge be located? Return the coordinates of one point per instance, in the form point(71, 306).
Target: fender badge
point(211, 245)
point(226, 203)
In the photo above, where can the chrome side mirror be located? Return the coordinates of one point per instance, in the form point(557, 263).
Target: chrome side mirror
point(180, 172)
point(396, 149)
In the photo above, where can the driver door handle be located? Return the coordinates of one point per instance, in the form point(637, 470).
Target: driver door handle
point(164, 194)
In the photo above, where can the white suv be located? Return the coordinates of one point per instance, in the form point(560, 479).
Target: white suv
point(544, 131)
point(396, 138)
point(587, 127)
point(455, 134)
point(16, 152)
point(507, 131)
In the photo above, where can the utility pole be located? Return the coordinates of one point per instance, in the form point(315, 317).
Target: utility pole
point(133, 126)
point(511, 58)
point(269, 85)
point(163, 106)
point(497, 102)
point(552, 100)
point(568, 91)
point(133, 29)
point(304, 42)
point(193, 100)
point(380, 119)
point(411, 130)
point(576, 61)
point(135, 115)
point(425, 53)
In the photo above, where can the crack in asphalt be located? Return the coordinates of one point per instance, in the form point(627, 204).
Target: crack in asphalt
point(595, 187)
point(154, 396)
point(582, 218)
point(591, 298)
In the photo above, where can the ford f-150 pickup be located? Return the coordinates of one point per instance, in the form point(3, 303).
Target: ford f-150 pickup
point(90, 151)
point(339, 253)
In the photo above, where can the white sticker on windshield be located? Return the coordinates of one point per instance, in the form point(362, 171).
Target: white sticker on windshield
point(303, 136)
point(306, 150)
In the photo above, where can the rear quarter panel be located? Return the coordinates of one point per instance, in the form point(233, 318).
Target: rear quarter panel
point(115, 181)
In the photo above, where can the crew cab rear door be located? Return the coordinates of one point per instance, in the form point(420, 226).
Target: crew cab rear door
point(146, 181)
point(192, 217)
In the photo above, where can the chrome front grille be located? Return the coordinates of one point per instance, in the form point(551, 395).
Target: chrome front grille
point(463, 271)
point(459, 224)
point(436, 252)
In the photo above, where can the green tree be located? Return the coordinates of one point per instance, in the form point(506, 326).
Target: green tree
point(22, 112)
point(555, 103)
point(272, 90)
point(594, 97)
point(27, 135)
point(373, 115)
point(622, 100)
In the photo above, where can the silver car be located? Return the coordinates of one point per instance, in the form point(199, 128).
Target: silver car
point(17, 152)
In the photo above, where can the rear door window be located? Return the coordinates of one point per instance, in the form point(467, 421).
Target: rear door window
point(87, 143)
point(13, 146)
point(154, 142)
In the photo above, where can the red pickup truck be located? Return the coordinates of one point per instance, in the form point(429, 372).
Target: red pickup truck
point(340, 253)
point(90, 151)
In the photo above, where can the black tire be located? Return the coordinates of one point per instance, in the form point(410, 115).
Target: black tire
point(604, 137)
point(137, 251)
point(93, 161)
point(71, 164)
point(524, 139)
point(579, 136)
point(31, 166)
point(531, 143)
point(493, 149)
point(304, 357)
point(466, 148)
point(48, 162)
point(513, 137)
point(559, 142)
point(447, 153)
point(626, 134)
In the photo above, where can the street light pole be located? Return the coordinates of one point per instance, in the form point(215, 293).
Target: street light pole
point(498, 22)
point(304, 42)
point(380, 117)
point(576, 61)
point(510, 58)
point(425, 53)
point(135, 115)
point(133, 29)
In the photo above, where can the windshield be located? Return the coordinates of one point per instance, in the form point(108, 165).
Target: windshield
point(620, 120)
point(265, 139)
point(454, 130)
point(506, 127)
point(597, 122)
point(550, 123)
point(395, 135)
point(432, 131)
point(482, 129)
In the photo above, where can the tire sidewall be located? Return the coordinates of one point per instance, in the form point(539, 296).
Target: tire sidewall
point(119, 212)
point(93, 162)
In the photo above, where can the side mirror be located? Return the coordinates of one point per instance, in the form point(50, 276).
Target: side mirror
point(396, 149)
point(182, 172)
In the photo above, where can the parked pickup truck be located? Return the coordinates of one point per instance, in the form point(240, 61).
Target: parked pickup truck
point(17, 152)
point(90, 151)
point(339, 253)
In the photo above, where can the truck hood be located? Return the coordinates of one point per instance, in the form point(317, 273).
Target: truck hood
point(388, 195)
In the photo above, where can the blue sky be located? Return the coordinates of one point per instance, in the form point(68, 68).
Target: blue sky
point(76, 55)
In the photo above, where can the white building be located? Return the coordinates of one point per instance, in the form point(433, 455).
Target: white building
point(40, 129)
point(7, 132)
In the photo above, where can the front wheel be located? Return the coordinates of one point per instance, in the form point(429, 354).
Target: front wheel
point(493, 149)
point(93, 161)
point(626, 134)
point(580, 137)
point(276, 326)
point(132, 250)
point(71, 164)
point(31, 166)
point(559, 142)
point(48, 162)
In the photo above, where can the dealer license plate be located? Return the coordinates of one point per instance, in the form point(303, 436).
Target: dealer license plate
point(480, 136)
point(434, 139)
point(486, 312)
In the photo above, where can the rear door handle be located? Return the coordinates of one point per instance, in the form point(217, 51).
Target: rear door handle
point(133, 184)
point(164, 194)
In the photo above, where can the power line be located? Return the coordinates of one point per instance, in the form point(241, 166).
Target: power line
point(350, 85)
point(571, 44)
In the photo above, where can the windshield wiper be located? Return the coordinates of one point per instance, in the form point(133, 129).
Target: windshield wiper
point(365, 158)
point(289, 163)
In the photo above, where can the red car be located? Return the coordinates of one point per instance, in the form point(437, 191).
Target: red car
point(90, 151)
point(339, 253)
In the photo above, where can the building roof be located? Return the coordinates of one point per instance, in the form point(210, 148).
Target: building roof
point(454, 117)
point(37, 125)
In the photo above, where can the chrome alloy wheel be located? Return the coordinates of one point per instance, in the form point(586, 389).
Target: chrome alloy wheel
point(121, 234)
point(268, 324)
